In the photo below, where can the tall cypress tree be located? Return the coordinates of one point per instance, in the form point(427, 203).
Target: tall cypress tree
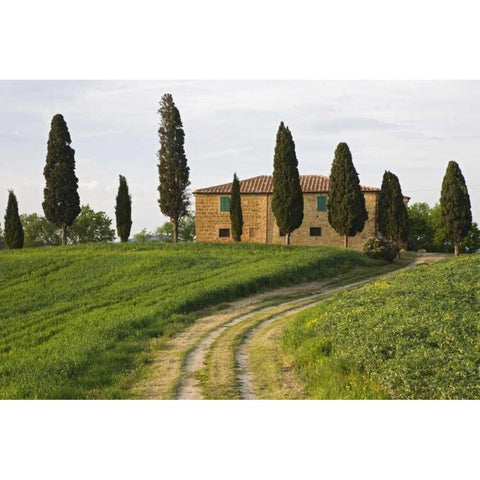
point(392, 212)
point(61, 201)
point(13, 235)
point(287, 199)
point(123, 210)
point(346, 204)
point(455, 205)
point(236, 215)
point(172, 167)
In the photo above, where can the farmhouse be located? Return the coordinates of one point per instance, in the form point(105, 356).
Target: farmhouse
point(213, 218)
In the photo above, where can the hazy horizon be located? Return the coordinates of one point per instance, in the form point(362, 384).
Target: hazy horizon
point(412, 128)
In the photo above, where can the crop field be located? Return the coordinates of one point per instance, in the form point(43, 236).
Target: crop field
point(412, 335)
point(75, 321)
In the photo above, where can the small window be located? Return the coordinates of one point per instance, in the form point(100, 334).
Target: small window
point(224, 233)
point(315, 231)
point(251, 232)
point(322, 203)
point(281, 233)
point(224, 204)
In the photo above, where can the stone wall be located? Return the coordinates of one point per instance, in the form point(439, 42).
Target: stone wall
point(260, 226)
point(209, 219)
point(313, 218)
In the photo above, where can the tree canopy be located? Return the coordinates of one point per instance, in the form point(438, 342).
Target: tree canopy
point(392, 212)
point(13, 235)
point(455, 205)
point(39, 232)
point(186, 230)
point(173, 170)
point(346, 204)
point(123, 210)
point(236, 215)
point(61, 202)
point(91, 226)
point(287, 199)
point(427, 231)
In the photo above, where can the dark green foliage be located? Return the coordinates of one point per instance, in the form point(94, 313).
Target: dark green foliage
point(392, 212)
point(61, 201)
point(411, 246)
point(123, 210)
point(381, 249)
point(455, 205)
point(287, 199)
point(13, 235)
point(39, 231)
point(186, 230)
point(236, 216)
point(471, 243)
point(172, 167)
point(427, 230)
point(91, 226)
point(420, 225)
point(346, 204)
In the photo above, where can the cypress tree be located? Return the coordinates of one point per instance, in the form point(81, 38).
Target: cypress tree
point(61, 201)
point(123, 210)
point(236, 216)
point(455, 205)
point(172, 167)
point(346, 204)
point(13, 235)
point(392, 212)
point(287, 199)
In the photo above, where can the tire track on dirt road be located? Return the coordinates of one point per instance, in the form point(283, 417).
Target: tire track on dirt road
point(244, 375)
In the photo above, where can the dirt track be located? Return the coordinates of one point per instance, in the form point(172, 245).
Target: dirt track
point(175, 370)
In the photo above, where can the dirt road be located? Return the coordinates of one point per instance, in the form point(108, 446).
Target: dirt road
point(210, 359)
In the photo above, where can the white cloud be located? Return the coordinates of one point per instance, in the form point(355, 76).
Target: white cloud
point(410, 128)
point(89, 185)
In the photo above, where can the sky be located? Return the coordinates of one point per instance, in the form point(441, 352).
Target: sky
point(412, 128)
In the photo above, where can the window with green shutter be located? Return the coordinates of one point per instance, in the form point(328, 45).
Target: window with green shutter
point(224, 204)
point(322, 203)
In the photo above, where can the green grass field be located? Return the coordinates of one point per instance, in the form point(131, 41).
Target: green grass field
point(75, 321)
point(413, 335)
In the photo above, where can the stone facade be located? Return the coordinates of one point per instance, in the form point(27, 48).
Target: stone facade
point(209, 219)
point(260, 226)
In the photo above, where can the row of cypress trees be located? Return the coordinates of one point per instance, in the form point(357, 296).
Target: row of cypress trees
point(455, 207)
point(347, 213)
point(346, 209)
point(346, 204)
point(61, 203)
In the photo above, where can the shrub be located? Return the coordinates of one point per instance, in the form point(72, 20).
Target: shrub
point(381, 248)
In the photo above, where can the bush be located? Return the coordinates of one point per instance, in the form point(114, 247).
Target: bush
point(380, 248)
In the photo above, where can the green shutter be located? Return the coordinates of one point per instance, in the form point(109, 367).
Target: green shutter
point(322, 203)
point(224, 204)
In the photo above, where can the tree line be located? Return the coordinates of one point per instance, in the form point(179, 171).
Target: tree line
point(427, 231)
point(66, 221)
point(346, 208)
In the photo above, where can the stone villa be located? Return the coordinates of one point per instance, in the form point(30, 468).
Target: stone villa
point(213, 218)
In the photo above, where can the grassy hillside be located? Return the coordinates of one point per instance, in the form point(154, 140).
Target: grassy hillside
point(414, 334)
point(74, 321)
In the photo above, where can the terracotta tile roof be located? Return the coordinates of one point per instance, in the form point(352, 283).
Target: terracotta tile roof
point(264, 184)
